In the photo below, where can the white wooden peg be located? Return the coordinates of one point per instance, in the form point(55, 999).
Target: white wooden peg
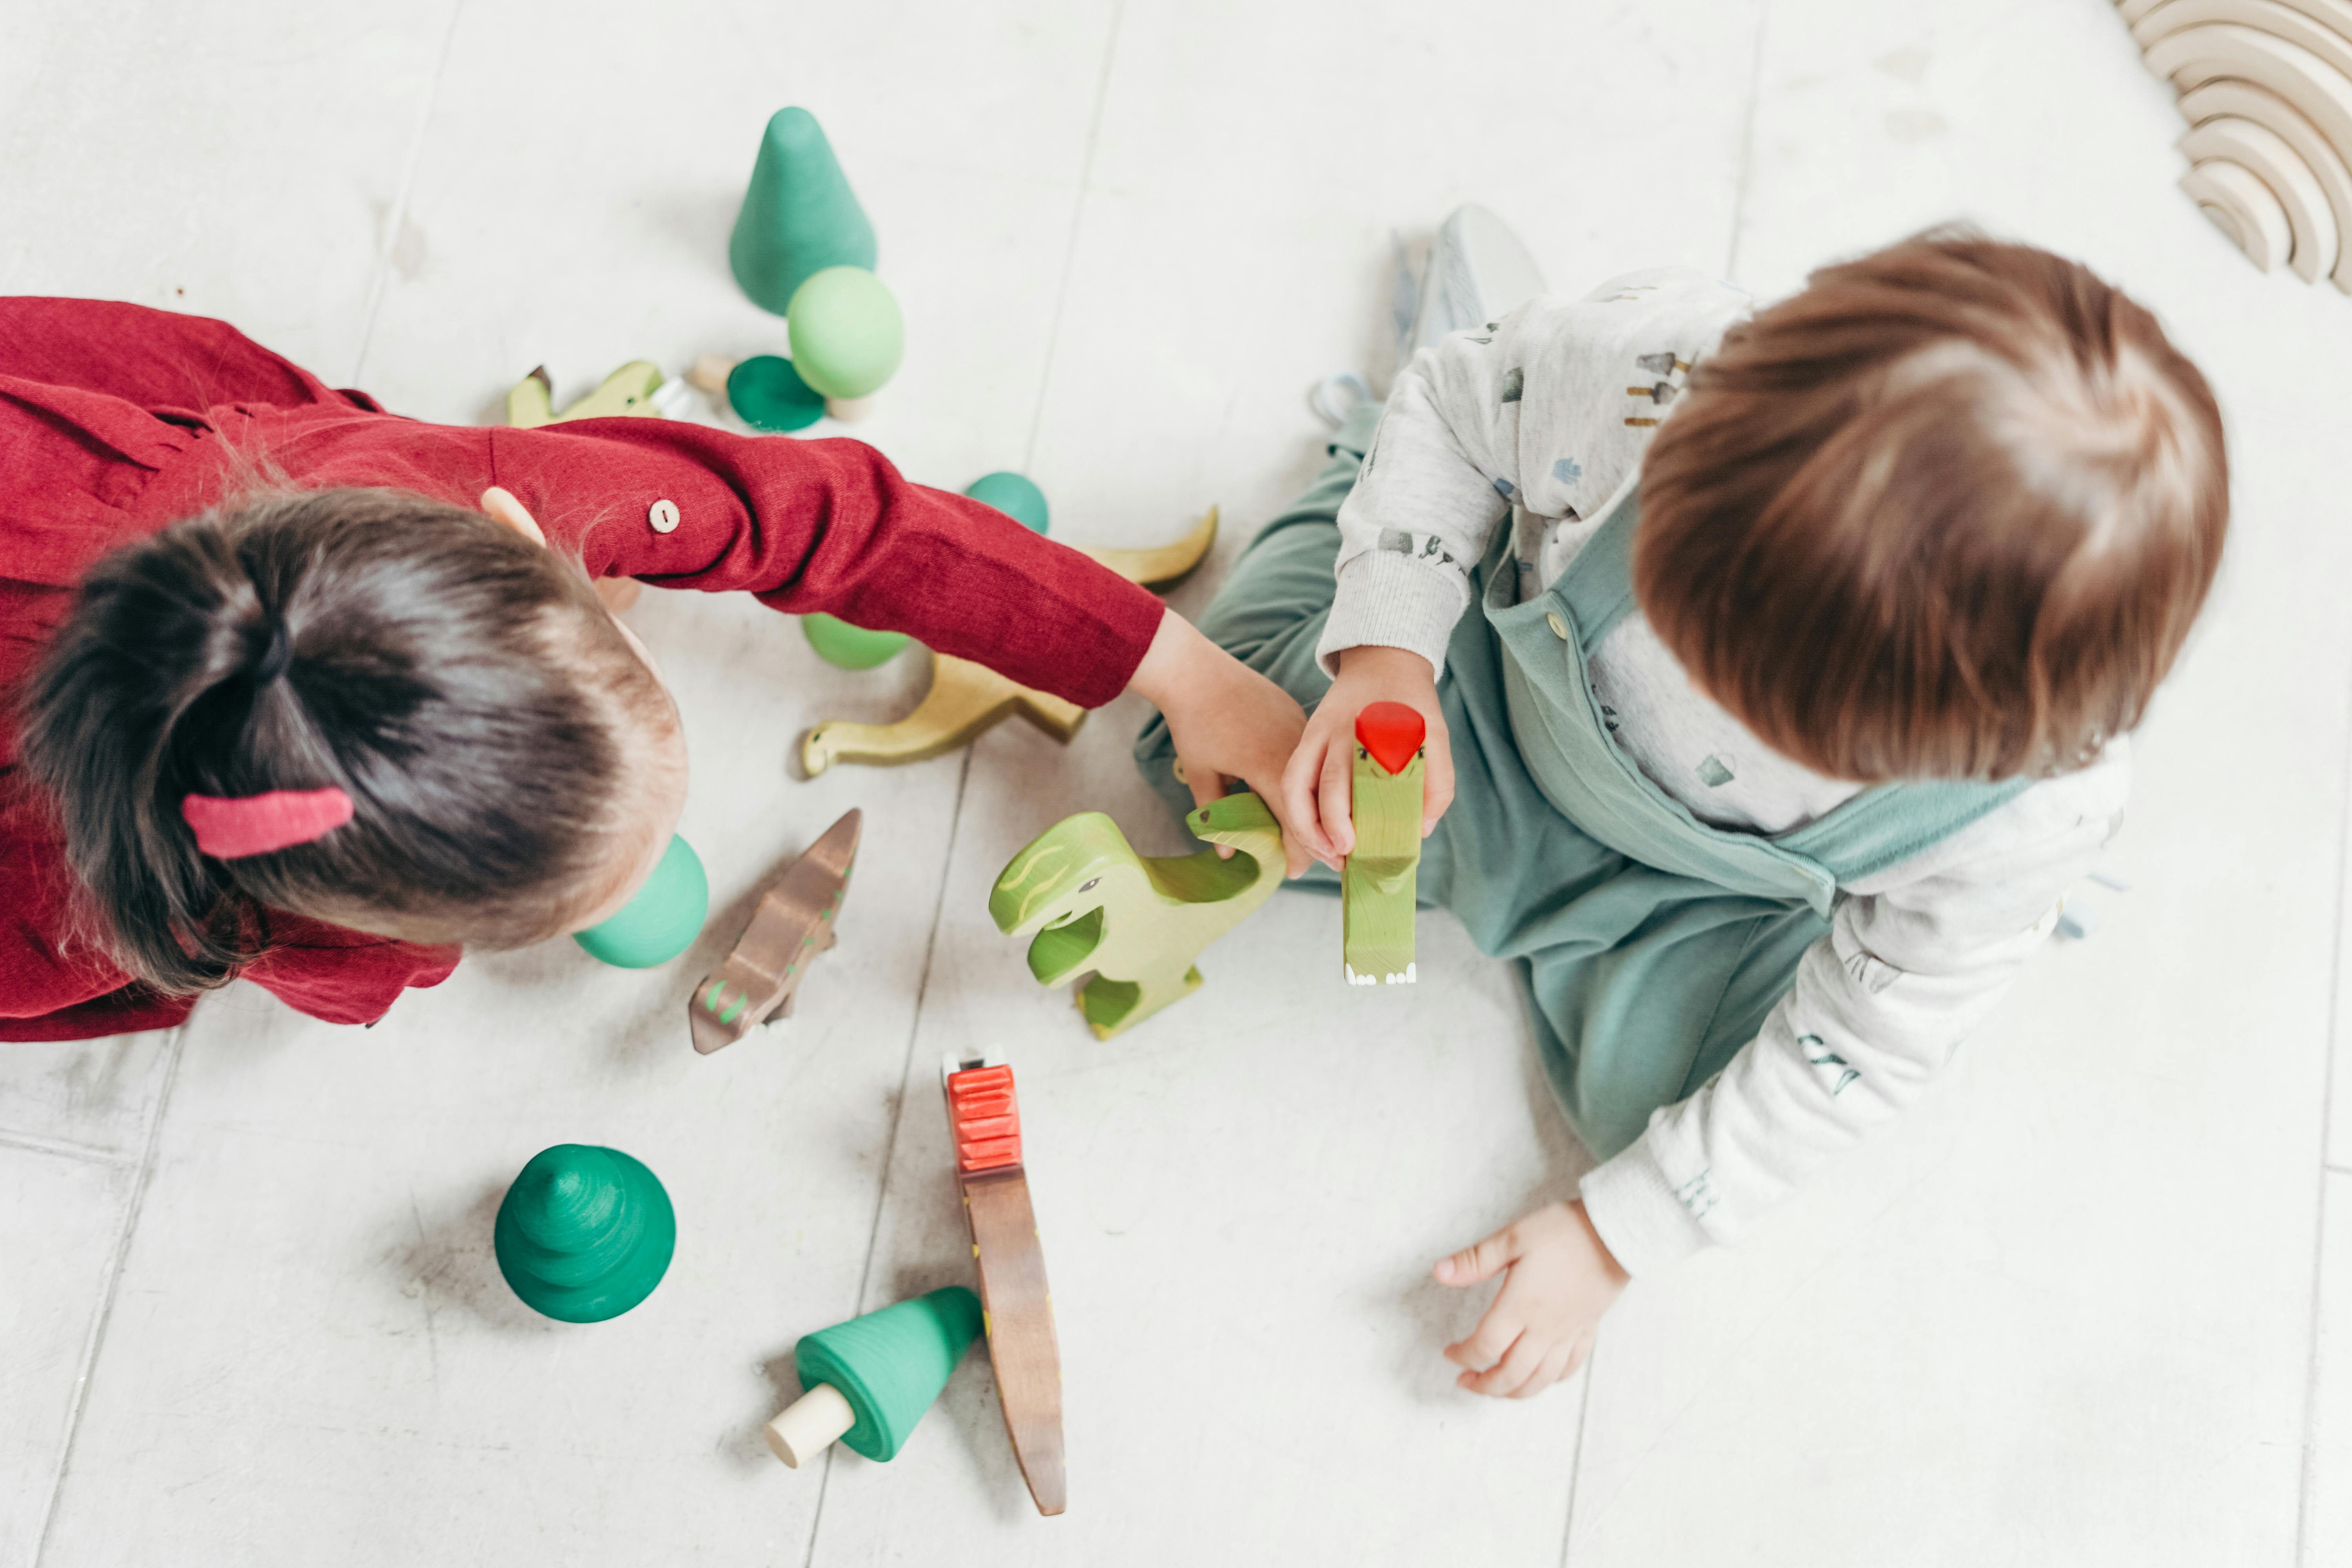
point(810, 1424)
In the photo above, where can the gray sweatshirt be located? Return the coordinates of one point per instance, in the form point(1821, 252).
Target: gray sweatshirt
point(1541, 419)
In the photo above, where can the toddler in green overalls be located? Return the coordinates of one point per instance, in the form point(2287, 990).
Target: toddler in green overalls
point(1779, 671)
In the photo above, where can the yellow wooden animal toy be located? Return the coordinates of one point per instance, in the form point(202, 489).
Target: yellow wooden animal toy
point(966, 698)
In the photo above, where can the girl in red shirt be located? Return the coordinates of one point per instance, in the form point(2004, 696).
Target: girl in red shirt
point(224, 582)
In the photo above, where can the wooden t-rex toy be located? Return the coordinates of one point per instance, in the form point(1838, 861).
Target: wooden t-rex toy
point(966, 698)
point(1131, 923)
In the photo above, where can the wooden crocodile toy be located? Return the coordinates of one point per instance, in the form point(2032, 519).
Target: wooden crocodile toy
point(794, 923)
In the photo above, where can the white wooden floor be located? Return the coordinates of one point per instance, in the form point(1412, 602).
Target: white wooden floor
point(2078, 1309)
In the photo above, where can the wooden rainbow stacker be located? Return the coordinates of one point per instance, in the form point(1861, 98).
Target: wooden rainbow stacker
point(1377, 890)
point(984, 1119)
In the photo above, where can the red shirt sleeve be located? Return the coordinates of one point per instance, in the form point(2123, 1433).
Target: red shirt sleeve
point(833, 526)
point(804, 525)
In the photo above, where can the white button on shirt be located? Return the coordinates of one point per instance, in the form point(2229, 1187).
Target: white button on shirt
point(663, 516)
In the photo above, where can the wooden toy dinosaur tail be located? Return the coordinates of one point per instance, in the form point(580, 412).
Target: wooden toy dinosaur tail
point(966, 698)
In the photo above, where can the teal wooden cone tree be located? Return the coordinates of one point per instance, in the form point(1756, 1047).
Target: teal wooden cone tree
point(585, 1233)
point(799, 216)
point(869, 1380)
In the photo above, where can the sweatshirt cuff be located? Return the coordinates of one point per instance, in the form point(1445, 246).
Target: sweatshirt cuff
point(1633, 1205)
point(1386, 599)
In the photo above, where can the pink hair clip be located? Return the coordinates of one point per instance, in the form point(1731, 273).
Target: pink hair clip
point(228, 829)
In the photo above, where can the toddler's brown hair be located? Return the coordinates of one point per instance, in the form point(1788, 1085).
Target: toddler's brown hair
point(1947, 513)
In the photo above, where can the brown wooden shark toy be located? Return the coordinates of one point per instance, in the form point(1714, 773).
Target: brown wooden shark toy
point(794, 923)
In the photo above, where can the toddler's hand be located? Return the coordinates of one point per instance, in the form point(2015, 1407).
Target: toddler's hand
point(1540, 1326)
point(1228, 721)
point(1317, 787)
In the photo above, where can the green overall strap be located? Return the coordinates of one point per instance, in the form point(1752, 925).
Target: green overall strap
point(1887, 825)
point(1881, 827)
point(1599, 582)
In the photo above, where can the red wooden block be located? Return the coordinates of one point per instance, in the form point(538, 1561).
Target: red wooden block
point(984, 1118)
point(1392, 732)
point(988, 1154)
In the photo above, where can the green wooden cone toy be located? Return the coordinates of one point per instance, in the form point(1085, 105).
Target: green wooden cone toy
point(585, 1233)
point(799, 216)
point(869, 1380)
point(1015, 495)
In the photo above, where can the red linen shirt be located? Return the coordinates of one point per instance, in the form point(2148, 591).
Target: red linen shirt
point(116, 420)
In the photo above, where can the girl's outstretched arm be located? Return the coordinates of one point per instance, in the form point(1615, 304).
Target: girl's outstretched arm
point(833, 526)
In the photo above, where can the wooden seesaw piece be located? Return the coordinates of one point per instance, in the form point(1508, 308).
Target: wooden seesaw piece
point(794, 923)
point(984, 1118)
point(1131, 923)
point(967, 699)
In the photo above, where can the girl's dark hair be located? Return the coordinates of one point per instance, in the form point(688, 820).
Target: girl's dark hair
point(460, 683)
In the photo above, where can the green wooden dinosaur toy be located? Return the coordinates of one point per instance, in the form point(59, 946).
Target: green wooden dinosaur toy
point(1133, 924)
point(628, 390)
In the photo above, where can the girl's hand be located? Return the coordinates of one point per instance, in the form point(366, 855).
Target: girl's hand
point(1228, 721)
point(1317, 786)
point(1540, 1326)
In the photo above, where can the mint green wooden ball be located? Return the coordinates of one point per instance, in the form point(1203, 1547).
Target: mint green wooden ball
point(1015, 495)
point(847, 333)
point(662, 920)
point(850, 648)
